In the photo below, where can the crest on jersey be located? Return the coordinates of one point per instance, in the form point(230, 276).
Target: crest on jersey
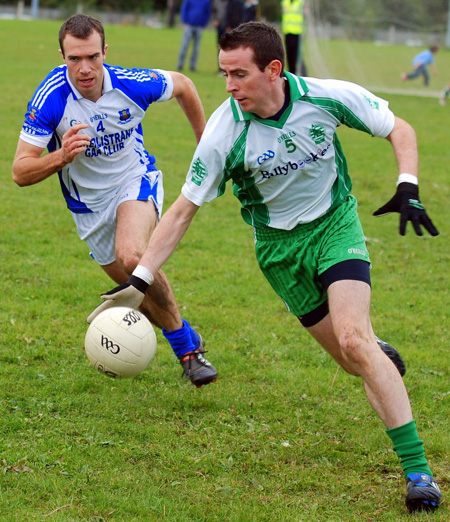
point(373, 103)
point(199, 171)
point(125, 116)
point(32, 115)
point(317, 133)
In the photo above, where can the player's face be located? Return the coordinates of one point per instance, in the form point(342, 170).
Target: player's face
point(84, 60)
point(248, 85)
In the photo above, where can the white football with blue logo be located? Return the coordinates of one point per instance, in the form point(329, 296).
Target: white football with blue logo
point(120, 342)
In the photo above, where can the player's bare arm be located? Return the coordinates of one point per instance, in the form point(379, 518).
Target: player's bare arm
point(30, 167)
point(406, 199)
point(185, 92)
point(404, 143)
point(168, 233)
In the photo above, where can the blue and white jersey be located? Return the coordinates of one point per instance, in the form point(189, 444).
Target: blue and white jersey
point(117, 148)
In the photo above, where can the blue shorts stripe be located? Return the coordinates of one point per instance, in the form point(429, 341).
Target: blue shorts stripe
point(147, 190)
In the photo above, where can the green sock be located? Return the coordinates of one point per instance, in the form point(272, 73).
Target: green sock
point(409, 449)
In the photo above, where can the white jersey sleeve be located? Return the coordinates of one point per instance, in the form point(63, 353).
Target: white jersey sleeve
point(167, 95)
point(206, 179)
point(353, 105)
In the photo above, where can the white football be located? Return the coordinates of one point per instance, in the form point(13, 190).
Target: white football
point(120, 342)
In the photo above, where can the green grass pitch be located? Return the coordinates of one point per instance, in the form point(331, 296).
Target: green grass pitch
point(283, 435)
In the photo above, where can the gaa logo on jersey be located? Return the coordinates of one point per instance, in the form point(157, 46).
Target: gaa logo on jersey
point(269, 154)
point(317, 133)
point(124, 116)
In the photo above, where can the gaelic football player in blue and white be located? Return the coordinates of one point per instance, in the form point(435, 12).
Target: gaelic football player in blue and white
point(88, 115)
point(275, 139)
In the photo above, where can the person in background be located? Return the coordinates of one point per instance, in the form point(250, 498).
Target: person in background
point(195, 16)
point(292, 26)
point(234, 14)
point(88, 115)
point(250, 10)
point(421, 62)
point(219, 8)
point(275, 140)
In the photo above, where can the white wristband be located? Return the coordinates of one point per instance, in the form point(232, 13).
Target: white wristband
point(144, 273)
point(404, 177)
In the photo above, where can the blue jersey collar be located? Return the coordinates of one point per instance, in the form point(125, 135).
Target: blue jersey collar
point(107, 84)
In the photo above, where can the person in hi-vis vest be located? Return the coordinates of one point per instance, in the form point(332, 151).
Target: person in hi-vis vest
point(292, 24)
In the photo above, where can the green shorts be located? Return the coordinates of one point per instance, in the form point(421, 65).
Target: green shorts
point(293, 260)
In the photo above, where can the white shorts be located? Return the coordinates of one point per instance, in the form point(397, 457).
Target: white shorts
point(98, 229)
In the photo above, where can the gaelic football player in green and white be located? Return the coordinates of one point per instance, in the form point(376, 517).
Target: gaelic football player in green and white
point(275, 139)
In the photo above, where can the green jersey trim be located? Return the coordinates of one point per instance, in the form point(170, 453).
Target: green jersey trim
point(238, 113)
point(298, 89)
point(343, 184)
point(297, 86)
point(340, 111)
point(253, 210)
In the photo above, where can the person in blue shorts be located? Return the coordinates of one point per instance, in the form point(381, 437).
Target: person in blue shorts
point(420, 64)
point(88, 115)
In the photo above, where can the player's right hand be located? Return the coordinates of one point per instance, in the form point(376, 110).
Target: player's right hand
point(129, 294)
point(74, 143)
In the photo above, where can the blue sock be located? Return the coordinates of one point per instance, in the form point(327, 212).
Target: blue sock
point(182, 340)
point(194, 337)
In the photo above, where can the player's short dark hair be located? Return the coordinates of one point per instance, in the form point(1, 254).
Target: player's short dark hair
point(81, 26)
point(262, 38)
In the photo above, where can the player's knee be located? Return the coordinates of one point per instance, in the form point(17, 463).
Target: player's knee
point(128, 260)
point(354, 350)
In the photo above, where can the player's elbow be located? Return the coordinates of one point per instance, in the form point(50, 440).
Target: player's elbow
point(24, 174)
point(183, 87)
point(22, 179)
point(17, 176)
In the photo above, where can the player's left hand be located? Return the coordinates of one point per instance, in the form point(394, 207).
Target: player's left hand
point(129, 294)
point(406, 201)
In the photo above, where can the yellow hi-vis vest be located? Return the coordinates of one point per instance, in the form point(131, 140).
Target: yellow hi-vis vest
point(292, 18)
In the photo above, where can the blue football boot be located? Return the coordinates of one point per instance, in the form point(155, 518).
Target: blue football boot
point(423, 493)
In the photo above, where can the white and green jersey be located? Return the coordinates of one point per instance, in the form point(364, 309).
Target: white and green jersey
point(288, 171)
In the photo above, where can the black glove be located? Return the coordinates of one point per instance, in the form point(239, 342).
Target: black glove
point(129, 294)
point(406, 201)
